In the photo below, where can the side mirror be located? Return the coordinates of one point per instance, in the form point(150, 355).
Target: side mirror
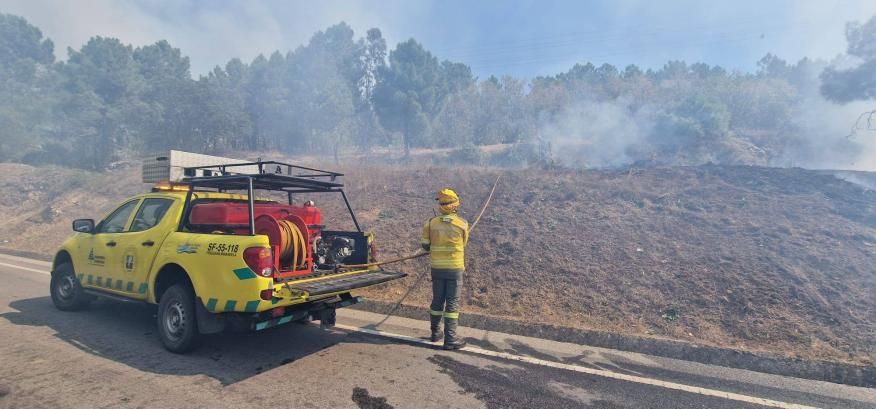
point(83, 225)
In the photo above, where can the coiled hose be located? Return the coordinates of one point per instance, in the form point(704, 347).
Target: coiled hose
point(289, 239)
point(292, 243)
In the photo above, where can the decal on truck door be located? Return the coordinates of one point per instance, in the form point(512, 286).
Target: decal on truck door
point(95, 260)
point(129, 263)
point(187, 248)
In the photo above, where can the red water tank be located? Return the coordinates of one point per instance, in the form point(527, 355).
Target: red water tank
point(311, 215)
point(238, 213)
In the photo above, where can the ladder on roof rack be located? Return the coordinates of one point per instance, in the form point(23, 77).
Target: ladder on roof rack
point(261, 168)
point(174, 166)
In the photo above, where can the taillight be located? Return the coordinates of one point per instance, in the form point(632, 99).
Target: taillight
point(267, 295)
point(260, 260)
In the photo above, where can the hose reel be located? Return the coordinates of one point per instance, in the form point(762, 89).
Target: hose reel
point(288, 236)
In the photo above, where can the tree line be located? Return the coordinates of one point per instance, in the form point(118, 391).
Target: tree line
point(110, 101)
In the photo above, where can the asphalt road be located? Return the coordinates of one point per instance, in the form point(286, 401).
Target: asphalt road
point(109, 356)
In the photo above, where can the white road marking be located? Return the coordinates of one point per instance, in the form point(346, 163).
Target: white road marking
point(25, 268)
point(590, 371)
point(86, 347)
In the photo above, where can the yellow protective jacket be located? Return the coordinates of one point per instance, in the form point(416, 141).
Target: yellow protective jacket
point(446, 236)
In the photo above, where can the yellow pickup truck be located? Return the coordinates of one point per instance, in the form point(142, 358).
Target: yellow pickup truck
point(215, 257)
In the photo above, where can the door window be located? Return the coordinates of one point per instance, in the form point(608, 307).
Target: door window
point(150, 214)
point(117, 221)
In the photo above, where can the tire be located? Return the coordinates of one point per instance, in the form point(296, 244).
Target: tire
point(177, 322)
point(67, 293)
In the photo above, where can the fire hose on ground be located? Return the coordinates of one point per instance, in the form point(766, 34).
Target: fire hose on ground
point(422, 274)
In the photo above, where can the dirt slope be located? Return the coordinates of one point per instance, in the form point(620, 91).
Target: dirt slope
point(780, 260)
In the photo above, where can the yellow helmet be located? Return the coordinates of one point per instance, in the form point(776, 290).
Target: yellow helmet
point(447, 196)
point(448, 201)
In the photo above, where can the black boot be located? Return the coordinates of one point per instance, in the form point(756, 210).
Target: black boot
point(436, 329)
point(451, 340)
point(455, 344)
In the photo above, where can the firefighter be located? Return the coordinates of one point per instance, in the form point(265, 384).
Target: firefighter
point(445, 237)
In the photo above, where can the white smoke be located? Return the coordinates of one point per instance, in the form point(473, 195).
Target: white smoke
point(609, 134)
point(598, 134)
point(826, 140)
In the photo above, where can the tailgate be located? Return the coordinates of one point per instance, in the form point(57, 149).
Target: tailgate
point(329, 285)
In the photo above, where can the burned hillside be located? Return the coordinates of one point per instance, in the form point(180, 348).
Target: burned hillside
point(758, 258)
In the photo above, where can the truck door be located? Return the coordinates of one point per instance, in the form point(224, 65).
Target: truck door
point(95, 258)
point(140, 244)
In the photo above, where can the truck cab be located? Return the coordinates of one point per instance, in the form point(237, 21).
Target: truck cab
point(214, 257)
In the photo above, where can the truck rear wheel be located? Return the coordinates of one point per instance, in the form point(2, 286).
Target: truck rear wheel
point(67, 293)
point(177, 323)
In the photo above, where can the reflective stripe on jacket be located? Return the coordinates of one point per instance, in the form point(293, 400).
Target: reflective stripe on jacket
point(446, 236)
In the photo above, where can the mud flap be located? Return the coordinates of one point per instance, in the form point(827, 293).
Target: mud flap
point(324, 312)
point(327, 318)
point(208, 322)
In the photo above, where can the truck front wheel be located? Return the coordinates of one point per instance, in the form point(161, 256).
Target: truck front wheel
point(67, 294)
point(177, 325)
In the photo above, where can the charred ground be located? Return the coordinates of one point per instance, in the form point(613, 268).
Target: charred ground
point(763, 259)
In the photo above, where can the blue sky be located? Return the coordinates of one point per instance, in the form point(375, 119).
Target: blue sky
point(522, 38)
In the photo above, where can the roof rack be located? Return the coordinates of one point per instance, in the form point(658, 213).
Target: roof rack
point(265, 175)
